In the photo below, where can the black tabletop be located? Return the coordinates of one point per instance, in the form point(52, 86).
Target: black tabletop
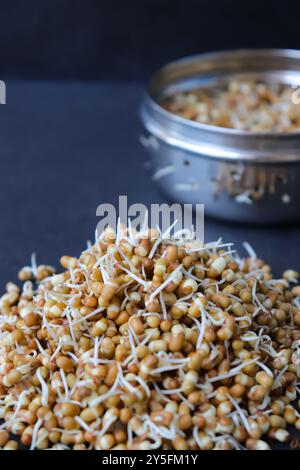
point(66, 148)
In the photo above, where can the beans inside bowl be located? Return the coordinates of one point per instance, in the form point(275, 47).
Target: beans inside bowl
point(246, 105)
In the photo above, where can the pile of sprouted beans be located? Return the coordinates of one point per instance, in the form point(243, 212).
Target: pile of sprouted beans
point(245, 105)
point(149, 343)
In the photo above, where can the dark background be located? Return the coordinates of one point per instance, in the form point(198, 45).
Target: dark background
point(128, 39)
point(75, 72)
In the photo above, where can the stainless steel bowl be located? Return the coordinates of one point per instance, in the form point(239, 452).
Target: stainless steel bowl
point(239, 176)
